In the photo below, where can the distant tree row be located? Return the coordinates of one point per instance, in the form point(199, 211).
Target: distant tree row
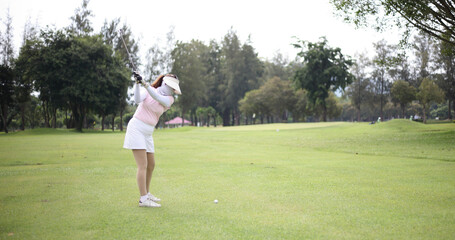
point(78, 78)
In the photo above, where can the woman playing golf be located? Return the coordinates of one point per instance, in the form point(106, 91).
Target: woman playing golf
point(153, 101)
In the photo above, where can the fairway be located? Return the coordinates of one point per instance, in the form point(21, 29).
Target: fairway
point(337, 180)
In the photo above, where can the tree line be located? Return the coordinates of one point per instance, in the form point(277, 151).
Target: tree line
point(78, 78)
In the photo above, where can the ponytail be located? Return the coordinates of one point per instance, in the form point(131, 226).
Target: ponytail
point(157, 83)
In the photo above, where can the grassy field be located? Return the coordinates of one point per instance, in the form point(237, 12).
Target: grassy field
point(394, 180)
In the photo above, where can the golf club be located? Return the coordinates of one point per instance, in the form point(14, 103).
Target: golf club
point(135, 73)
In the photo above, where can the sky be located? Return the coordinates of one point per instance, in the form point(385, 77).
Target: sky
point(270, 25)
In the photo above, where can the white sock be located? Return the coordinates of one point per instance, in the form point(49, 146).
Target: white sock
point(143, 198)
point(149, 193)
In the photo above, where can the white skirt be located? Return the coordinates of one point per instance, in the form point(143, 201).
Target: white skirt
point(139, 136)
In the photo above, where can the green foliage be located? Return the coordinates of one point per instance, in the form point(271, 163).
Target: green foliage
point(279, 66)
point(81, 24)
point(6, 94)
point(440, 111)
point(7, 42)
point(324, 69)
point(403, 93)
point(205, 114)
point(80, 74)
point(445, 58)
point(428, 93)
point(333, 107)
point(241, 70)
point(358, 91)
point(189, 65)
point(435, 17)
point(275, 98)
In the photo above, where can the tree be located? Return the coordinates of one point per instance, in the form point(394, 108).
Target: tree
point(358, 90)
point(7, 72)
point(332, 107)
point(445, 56)
point(428, 93)
point(423, 46)
point(81, 24)
point(382, 63)
point(80, 73)
point(324, 69)
point(434, 17)
point(7, 47)
point(301, 107)
point(402, 93)
point(277, 67)
point(159, 58)
point(241, 70)
point(189, 65)
point(274, 100)
point(6, 93)
point(204, 114)
point(279, 97)
point(117, 103)
point(24, 82)
point(230, 68)
point(254, 104)
point(215, 78)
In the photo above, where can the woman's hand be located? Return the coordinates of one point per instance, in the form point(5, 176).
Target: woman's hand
point(144, 83)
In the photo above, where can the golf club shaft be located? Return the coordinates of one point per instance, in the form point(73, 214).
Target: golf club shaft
point(128, 52)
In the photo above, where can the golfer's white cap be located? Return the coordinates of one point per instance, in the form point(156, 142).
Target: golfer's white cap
point(172, 81)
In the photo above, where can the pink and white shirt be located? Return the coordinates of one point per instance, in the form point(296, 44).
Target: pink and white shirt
point(151, 104)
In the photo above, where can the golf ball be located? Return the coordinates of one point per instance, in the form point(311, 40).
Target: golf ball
point(215, 201)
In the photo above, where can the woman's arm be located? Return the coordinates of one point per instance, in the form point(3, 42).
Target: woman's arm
point(138, 97)
point(163, 100)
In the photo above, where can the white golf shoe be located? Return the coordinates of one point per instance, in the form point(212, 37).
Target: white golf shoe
point(148, 203)
point(153, 198)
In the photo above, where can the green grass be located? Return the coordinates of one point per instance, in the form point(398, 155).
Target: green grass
point(394, 180)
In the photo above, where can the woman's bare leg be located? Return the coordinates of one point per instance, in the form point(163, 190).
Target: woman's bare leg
point(150, 167)
point(141, 161)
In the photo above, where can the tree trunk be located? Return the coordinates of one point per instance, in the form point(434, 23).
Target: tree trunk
point(4, 116)
point(226, 117)
point(22, 106)
point(382, 96)
point(72, 123)
point(113, 122)
point(77, 117)
point(403, 107)
point(358, 114)
point(453, 105)
point(424, 113)
point(121, 120)
point(237, 117)
point(324, 112)
point(450, 111)
point(54, 118)
point(183, 118)
point(66, 119)
point(85, 119)
point(102, 122)
point(46, 114)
